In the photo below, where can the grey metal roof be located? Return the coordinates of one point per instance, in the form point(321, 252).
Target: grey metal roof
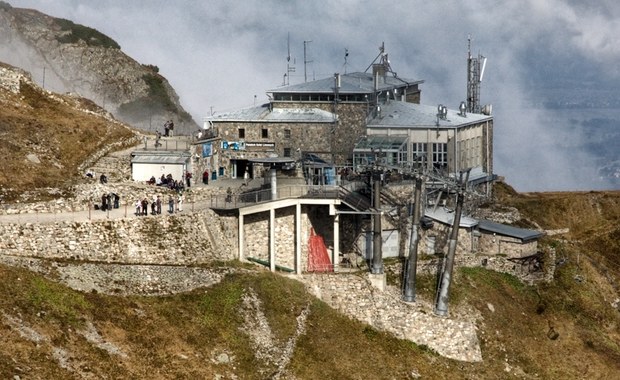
point(353, 83)
point(446, 216)
point(502, 229)
point(272, 160)
point(263, 114)
point(410, 115)
point(385, 143)
point(159, 158)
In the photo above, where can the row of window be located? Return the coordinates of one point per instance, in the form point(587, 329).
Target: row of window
point(264, 133)
point(419, 152)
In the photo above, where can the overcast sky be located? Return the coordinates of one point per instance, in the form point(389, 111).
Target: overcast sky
point(219, 55)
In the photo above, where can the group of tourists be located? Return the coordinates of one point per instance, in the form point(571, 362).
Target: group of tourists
point(175, 204)
point(169, 182)
point(108, 202)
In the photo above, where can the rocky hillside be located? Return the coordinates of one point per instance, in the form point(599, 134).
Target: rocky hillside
point(72, 58)
point(47, 140)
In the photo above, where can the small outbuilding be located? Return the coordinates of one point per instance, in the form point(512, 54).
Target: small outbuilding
point(147, 164)
point(514, 242)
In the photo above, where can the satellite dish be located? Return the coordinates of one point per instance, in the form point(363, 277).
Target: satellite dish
point(487, 110)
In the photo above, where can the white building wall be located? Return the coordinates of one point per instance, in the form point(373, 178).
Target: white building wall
point(143, 172)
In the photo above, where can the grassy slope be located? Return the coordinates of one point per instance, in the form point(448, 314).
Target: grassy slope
point(59, 134)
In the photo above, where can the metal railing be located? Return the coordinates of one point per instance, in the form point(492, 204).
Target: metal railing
point(233, 201)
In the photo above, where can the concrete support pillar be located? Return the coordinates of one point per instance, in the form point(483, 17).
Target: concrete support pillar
point(336, 251)
point(241, 237)
point(274, 184)
point(272, 239)
point(298, 238)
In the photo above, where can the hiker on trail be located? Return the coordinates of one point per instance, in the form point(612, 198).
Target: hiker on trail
point(116, 200)
point(157, 142)
point(158, 202)
point(170, 204)
point(188, 178)
point(138, 205)
point(170, 128)
point(104, 202)
point(180, 203)
point(167, 128)
point(145, 206)
point(103, 179)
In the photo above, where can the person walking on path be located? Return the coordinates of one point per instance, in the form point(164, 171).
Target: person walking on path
point(180, 203)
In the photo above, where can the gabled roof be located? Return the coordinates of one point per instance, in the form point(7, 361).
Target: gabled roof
point(410, 115)
point(353, 83)
point(264, 114)
point(505, 230)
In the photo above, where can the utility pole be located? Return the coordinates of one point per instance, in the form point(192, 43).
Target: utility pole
point(441, 307)
point(377, 259)
point(412, 262)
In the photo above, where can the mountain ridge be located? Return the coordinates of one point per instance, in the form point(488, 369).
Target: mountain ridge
point(72, 58)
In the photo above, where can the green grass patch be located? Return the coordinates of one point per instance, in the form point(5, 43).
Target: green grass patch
point(58, 302)
point(90, 36)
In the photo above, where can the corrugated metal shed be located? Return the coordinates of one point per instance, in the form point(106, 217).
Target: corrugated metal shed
point(410, 115)
point(353, 83)
point(502, 229)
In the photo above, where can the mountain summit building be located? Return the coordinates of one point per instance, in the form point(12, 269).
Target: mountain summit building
point(348, 121)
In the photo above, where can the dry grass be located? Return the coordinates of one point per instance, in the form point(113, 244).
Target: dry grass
point(57, 131)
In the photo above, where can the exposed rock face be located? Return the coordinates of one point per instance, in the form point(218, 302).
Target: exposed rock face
point(67, 57)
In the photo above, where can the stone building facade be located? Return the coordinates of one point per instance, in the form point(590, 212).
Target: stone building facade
point(324, 117)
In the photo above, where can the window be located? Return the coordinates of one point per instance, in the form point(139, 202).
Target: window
point(241, 133)
point(440, 155)
point(265, 133)
point(419, 152)
point(402, 156)
point(287, 133)
point(287, 152)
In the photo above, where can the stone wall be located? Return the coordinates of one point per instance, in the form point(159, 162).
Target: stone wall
point(509, 246)
point(180, 239)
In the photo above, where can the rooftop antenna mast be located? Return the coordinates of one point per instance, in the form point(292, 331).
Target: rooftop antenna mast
point(305, 61)
point(289, 68)
point(475, 72)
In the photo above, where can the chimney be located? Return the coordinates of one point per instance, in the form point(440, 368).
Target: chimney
point(378, 72)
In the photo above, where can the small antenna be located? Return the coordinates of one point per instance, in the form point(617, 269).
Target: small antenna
point(346, 56)
point(306, 61)
point(289, 68)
